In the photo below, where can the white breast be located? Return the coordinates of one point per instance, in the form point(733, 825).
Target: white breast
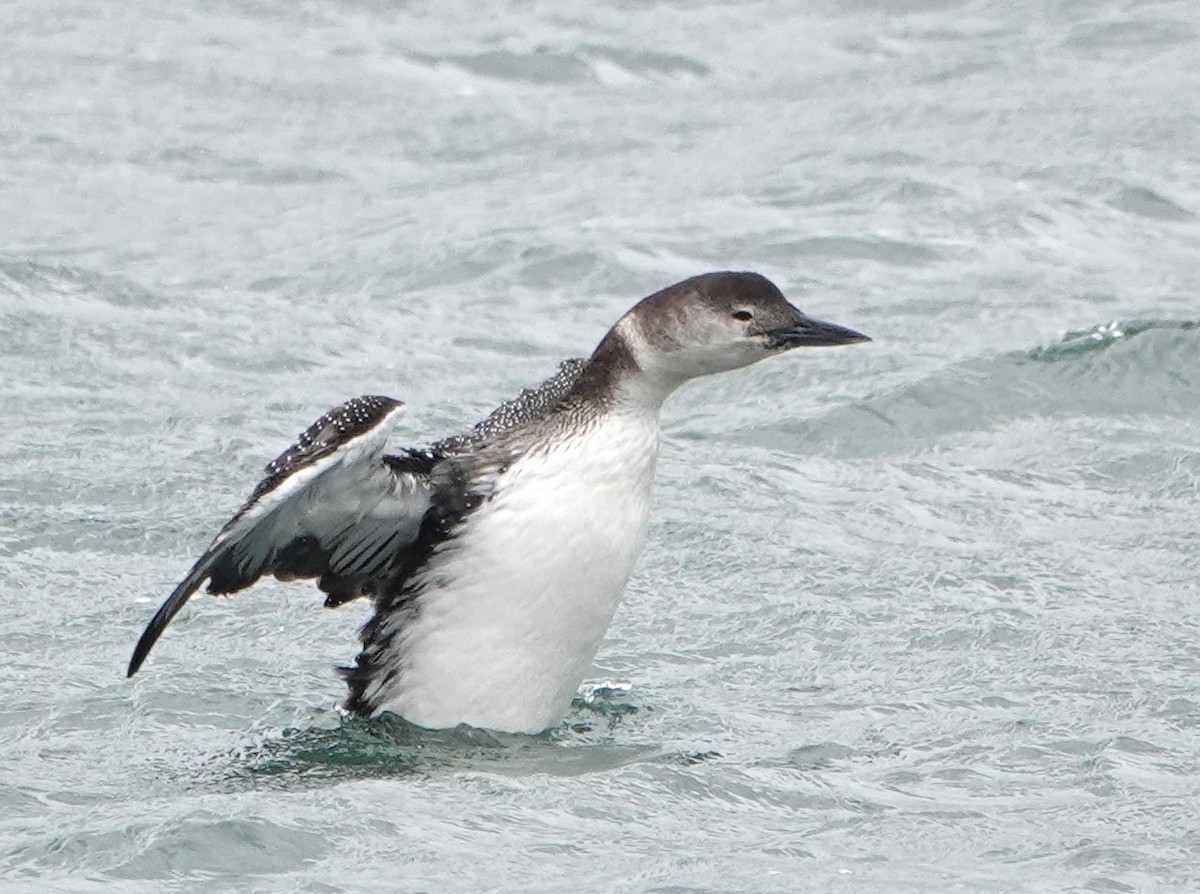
point(512, 610)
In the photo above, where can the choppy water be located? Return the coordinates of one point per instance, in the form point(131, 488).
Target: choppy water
point(914, 616)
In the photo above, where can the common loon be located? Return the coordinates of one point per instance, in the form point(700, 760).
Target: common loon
point(495, 559)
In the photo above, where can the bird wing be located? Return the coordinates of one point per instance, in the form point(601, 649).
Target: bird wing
point(334, 507)
point(331, 506)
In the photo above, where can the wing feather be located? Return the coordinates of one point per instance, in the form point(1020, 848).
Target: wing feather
point(329, 507)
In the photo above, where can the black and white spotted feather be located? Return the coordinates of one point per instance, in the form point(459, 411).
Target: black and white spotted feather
point(530, 404)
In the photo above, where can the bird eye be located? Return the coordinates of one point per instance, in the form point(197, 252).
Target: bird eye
point(743, 315)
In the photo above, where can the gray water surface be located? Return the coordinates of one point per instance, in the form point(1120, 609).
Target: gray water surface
point(920, 615)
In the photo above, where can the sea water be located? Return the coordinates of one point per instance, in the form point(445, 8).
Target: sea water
point(918, 615)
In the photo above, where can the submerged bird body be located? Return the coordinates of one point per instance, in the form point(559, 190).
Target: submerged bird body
point(495, 559)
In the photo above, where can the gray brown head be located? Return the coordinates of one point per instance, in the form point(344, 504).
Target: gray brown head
point(706, 324)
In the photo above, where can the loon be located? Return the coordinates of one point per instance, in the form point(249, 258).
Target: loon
point(494, 559)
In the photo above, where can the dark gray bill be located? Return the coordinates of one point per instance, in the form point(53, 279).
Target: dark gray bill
point(813, 334)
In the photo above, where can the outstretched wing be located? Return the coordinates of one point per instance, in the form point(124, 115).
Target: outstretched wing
point(334, 507)
point(331, 506)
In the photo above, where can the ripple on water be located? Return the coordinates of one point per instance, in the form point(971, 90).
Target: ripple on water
point(220, 846)
point(1147, 203)
point(1136, 367)
point(390, 747)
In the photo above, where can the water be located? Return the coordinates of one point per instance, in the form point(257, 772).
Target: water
point(914, 616)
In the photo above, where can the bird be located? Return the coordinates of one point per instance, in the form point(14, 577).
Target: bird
point(494, 559)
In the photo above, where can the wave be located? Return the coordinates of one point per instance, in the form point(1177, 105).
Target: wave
point(1143, 367)
point(545, 65)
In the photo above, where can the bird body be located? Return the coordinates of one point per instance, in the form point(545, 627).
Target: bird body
point(527, 589)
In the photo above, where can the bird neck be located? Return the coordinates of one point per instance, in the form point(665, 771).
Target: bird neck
point(614, 378)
